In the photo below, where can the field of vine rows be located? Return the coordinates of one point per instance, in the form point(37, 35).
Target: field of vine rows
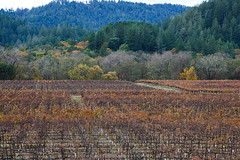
point(119, 120)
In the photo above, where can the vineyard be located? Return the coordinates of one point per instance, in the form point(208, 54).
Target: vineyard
point(119, 120)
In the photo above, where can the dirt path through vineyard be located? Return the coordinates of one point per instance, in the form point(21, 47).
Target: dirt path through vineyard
point(161, 87)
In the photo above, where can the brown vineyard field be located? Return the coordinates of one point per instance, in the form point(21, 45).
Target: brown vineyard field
point(119, 120)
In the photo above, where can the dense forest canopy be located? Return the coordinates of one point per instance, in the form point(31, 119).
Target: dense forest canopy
point(95, 14)
point(16, 32)
point(213, 26)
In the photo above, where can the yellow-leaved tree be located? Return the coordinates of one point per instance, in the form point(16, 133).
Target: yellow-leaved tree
point(94, 73)
point(110, 76)
point(83, 72)
point(189, 74)
point(36, 74)
point(79, 73)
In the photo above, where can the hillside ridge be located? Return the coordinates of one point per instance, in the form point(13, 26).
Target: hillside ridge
point(95, 14)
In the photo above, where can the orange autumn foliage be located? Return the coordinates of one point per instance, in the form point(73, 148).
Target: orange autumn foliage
point(82, 45)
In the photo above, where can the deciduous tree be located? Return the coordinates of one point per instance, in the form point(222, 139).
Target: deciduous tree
point(79, 73)
point(94, 73)
point(189, 74)
point(110, 76)
point(211, 67)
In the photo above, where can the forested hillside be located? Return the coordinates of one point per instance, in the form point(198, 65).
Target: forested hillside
point(211, 27)
point(95, 14)
point(14, 31)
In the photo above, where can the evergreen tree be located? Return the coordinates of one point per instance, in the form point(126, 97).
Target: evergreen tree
point(100, 38)
point(96, 13)
point(7, 71)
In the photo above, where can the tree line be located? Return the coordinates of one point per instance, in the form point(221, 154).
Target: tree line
point(124, 65)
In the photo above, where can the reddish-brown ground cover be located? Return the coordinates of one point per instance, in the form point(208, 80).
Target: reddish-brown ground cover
point(116, 120)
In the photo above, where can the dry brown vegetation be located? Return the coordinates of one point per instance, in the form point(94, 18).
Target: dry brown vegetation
point(116, 120)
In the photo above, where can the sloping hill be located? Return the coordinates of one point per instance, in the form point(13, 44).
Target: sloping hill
point(213, 26)
point(14, 29)
point(96, 14)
